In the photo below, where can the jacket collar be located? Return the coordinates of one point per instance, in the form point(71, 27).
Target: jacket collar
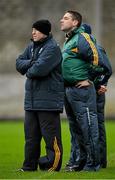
point(73, 32)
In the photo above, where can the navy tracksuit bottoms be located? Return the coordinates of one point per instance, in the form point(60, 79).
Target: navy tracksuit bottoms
point(44, 124)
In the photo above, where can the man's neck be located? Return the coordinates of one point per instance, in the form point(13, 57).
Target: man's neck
point(70, 33)
point(72, 29)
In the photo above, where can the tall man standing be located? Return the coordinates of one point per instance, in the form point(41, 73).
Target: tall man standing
point(44, 91)
point(79, 53)
point(100, 79)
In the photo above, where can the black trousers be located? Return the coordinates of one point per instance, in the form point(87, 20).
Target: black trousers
point(102, 130)
point(44, 124)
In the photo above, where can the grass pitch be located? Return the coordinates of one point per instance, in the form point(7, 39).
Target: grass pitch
point(11, 154)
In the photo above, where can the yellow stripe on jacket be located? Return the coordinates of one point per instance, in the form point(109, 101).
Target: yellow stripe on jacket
point(92, 45)
point(74, 50)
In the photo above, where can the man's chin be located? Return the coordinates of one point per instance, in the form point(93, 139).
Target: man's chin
point(35, 40)
point(63, 30)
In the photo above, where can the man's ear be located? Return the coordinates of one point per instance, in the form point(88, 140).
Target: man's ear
point(75, 23)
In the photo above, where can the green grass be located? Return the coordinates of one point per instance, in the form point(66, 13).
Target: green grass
point(11, 155)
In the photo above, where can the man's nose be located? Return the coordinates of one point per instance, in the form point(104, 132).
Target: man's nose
point(61, 20)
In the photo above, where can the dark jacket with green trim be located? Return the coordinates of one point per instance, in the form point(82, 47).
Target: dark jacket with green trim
point(100, 74)
point(78, 54)
point(44, 88)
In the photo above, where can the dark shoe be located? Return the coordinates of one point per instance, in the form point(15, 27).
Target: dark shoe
point(71, 168)
point(45, 163)
point(91, 168)
point(75, 167)
point(69, 164)
point(26, 169)
point(20, 170)
point(103, 165)
point(86, 168)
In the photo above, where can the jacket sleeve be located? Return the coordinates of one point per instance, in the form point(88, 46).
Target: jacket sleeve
point(107, 69)
point(96, 55)
point(105, 63)
point(105, 78)
point(100, 80)
point(23, 62)
point(49, 58)
point(87, 49)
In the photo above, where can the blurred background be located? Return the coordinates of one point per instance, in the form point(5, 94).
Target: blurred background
point(16, 18)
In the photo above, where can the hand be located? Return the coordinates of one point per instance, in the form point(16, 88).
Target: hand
point(84, 83)
point(102, 89)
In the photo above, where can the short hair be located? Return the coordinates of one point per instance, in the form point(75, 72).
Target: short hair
point(76, 16)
